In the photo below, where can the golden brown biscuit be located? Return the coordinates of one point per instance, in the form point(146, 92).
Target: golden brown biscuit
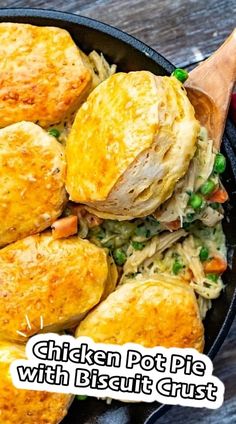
point(153, 311)
point(19, 406)
point(32, 181)
point(43, 76)
point(131, 141)
point(50, 284)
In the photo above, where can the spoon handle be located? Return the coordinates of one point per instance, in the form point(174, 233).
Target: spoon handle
point(216, 77)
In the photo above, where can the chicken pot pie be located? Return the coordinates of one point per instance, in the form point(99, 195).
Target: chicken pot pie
point(26, 406)
point(43, 74)
point(122, 149)
point(154, 311)
point(32, 181)
point(49, 285)
point(147, 181)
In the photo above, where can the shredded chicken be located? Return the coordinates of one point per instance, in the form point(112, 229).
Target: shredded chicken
point(199, 171)
point(175, 207)
point(101, 67)
point(210, 217)
point(204, 159)
point(147, 255)
point(138, 257)
point(204, 306)
point(203, 286)
point(166, 240)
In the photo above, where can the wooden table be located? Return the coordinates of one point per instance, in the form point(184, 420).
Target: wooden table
point(185, 31)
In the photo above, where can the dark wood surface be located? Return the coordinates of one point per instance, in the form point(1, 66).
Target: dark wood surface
point(185, 31)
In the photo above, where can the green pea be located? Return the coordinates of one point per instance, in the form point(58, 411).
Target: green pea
point(219, 164)
point(212, 277)
point(137, 245)
point(54, 132)
point(204, 253)
point(81, 397)
point(180, 74)
point(208, 187)
point(177, 266)
point(195, 201)
point(119, 256)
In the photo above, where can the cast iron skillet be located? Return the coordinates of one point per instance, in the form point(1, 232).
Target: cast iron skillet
point(130, 54)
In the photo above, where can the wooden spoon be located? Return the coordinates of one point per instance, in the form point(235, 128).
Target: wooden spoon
point(210, 86)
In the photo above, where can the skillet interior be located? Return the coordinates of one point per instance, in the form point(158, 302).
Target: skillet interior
point(130, 54)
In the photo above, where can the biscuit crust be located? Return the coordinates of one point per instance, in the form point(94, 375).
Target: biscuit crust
point(43, 76)
point(19, 406)
point(159, 311)
point(49, 285)
point(32, 181)
point(131, 141)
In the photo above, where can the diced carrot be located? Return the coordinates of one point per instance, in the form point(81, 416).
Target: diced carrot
point(216, 265)
point(173, 225)
point(65, 227)
point(219, 196)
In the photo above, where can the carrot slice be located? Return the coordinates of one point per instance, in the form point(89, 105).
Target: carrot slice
point(216, 265)
point(173, 225)
point(65, 227)
point(219, 196)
